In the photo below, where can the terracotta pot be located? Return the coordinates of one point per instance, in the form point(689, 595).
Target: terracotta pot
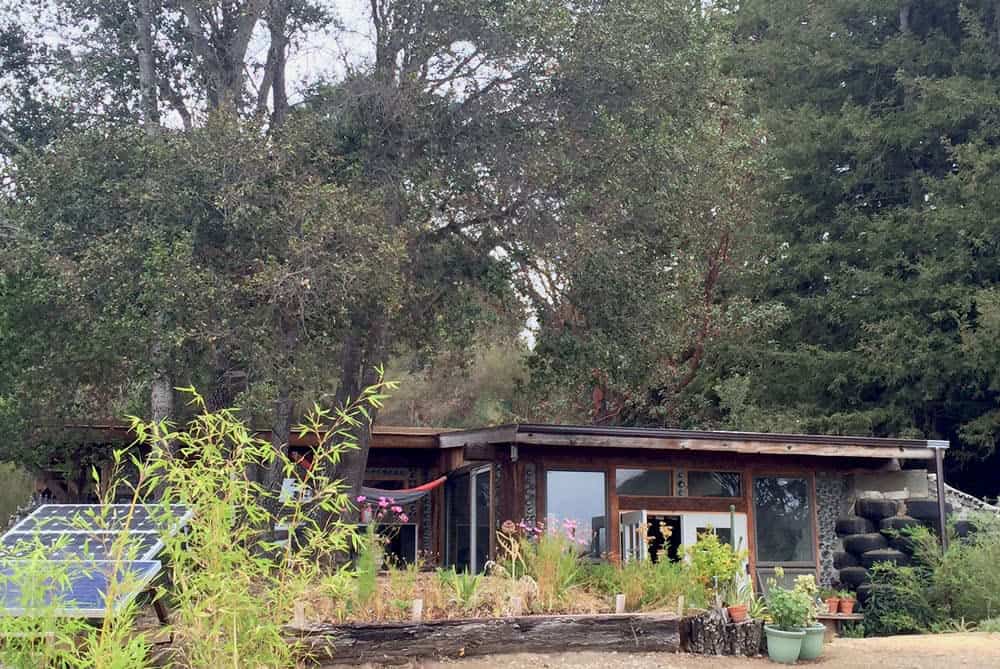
point(847, 606)
point(832, 604)
point(737, 613)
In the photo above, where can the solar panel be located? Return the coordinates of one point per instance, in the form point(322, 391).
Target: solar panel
point(73, 589)
point(111, 517)
point(80, 545)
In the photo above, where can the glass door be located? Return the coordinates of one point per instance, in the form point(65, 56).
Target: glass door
point(468, 519)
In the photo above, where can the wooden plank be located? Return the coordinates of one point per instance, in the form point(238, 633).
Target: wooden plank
point(681, 504)
point(721, 445)
point(504, 434)
point(483, 452)
point(394, 643)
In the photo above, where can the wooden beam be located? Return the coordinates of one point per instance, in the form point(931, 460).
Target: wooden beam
point(725, 446)
point(681, 504)
point(394, 643)
point(504, 434)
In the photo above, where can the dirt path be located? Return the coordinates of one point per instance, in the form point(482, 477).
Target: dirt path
point(938, 651)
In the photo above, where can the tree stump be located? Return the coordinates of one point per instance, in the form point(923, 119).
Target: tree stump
point(713, 633)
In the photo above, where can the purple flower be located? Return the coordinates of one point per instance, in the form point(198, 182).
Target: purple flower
point(361, 498)
point(403, 518)
point(382, 503)
point(397, 509)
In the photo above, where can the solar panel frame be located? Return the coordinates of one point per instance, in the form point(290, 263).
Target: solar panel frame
point(30, 526)
point(149, 571)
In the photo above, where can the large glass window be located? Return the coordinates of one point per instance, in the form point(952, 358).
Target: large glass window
point(783, 520)
point(641, 482)
point(579, 497)
point(714, 484)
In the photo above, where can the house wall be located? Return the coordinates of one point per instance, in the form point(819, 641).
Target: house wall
point(834, 497)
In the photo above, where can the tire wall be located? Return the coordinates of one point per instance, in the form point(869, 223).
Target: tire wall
point(834, 498)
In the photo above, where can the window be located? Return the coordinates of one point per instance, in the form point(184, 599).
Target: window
point(579, 497)
point(643, 482)
point(784, 520)
point(714, 484)
point(468, 520)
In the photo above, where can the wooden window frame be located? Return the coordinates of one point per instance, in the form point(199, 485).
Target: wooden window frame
point(810, 479)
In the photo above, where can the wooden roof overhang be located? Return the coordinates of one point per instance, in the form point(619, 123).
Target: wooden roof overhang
point(479, 443)
point(382, 436)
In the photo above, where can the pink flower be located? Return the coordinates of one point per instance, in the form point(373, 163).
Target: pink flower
point(403, 518)
point(361, 498)
point(382, 503)
point(397, 509)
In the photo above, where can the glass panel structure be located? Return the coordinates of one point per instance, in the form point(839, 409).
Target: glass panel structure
point(643, 482)
point(714, 484)
point(784, 520)
point(579, 498)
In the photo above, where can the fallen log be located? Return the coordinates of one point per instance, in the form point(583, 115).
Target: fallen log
point(397, 643)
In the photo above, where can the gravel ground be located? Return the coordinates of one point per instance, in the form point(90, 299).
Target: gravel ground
point(938, 651)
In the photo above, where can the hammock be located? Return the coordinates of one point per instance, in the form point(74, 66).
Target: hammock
point(404, 496)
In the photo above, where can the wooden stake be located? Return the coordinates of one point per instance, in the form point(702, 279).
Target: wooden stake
point(417, 610)
point(516, 606)
point(299, 614)
point(680, 606)
point(619, 603)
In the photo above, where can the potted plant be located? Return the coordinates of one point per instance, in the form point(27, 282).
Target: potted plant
point(789, 611)
point(832, 599)
point(846, 601)
point(812, 643)
point(739, 596)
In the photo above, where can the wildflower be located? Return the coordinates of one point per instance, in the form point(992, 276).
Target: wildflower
point(403, 518)
point(508, 527)
point(361, 498)
point(382, 503)
point(397, 509)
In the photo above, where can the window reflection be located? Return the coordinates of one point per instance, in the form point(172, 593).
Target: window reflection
point(784, 520)
point(643, 482)
point(714, 484)
point(579, 497)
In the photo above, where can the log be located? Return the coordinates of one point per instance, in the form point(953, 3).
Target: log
point(398, 643)
point(713, 633)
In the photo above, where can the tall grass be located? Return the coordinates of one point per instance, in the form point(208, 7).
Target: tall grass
point(232, 587)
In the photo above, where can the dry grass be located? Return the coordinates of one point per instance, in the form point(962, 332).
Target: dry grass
point(397, 590)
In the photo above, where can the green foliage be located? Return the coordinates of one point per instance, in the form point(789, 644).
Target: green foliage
point(16, 490)
point(882, 244)
point(716, 564)
point(899, 602)
point(991, 625)
point(965, 581)
point(647, 586)
point(231, 587)
point(790, 609)
point(553, 560)
point(464, 586)
point(853, 629)
point(368, 563)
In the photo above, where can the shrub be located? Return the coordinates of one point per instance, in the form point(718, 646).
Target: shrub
point(717, 565)
point(899, 602)
point(966, 581)
point(990, 625)
point(464, 586)
point(554, 562)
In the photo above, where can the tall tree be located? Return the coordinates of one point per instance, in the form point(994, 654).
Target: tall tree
point(881, 116)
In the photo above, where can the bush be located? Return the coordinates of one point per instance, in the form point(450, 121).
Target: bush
point(966, 581)
point(899, 601)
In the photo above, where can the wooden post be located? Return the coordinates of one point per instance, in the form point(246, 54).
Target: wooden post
point(417, 610)
point(299, 614)
point(939, 466)
point(680, 606)
point(516, 606)
point(619, 603)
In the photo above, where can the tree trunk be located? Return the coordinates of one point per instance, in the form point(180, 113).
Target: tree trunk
point(147, 68)
point(277, 57)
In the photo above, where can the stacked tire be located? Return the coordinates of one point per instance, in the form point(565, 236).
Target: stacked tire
point(866, 540)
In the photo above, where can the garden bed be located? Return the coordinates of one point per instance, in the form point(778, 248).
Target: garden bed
point(354, 643)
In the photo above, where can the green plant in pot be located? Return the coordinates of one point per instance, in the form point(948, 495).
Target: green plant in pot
point(831, 598)
point(790, 612)
point(812, 643)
